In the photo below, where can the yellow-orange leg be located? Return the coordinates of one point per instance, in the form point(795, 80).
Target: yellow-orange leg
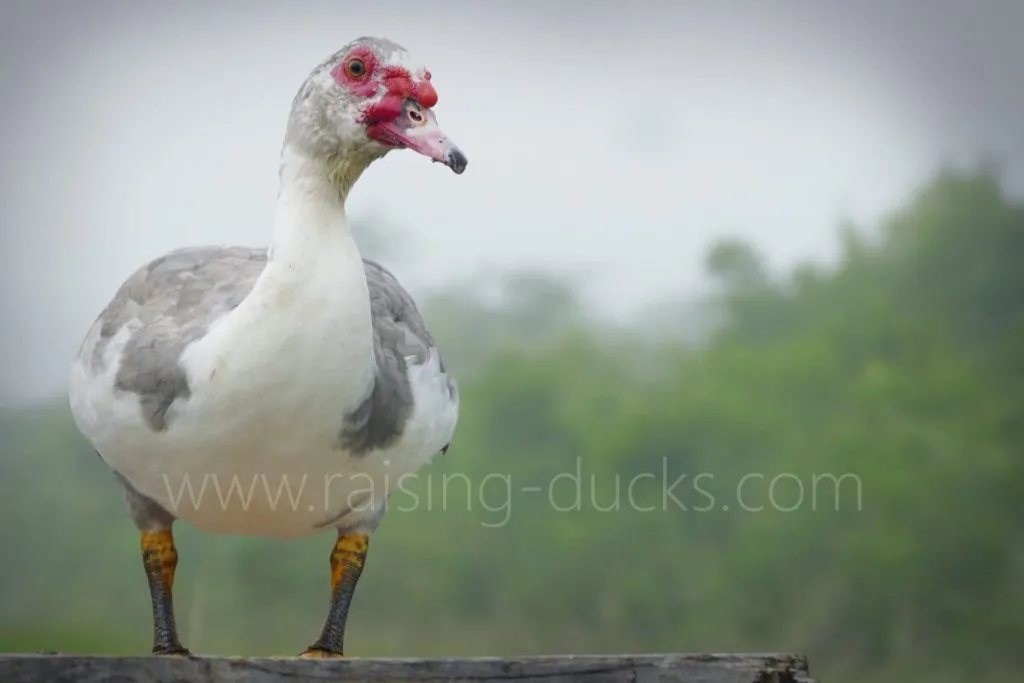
point(160, 559)
point(347, 560)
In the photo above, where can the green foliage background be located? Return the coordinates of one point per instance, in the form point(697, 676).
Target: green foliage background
point(851, 438)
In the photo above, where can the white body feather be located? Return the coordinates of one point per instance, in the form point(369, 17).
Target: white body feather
point(253, 449)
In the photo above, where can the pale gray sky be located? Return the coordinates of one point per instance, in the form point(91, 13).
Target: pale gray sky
point(610, 138)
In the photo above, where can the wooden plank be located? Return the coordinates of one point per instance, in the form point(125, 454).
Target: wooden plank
point(665, 668)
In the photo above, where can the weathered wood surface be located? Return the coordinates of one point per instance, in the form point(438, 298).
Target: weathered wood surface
point(668, 668)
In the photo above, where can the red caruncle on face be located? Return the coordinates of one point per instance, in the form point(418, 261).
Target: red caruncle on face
point(362, 74)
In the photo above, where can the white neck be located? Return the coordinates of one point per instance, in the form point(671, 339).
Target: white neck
point(313, 254)
point(307, 320)
point(310, 213)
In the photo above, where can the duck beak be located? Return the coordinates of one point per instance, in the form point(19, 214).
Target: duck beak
point(416, 129)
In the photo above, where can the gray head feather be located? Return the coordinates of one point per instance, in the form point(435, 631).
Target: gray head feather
point(324, 118)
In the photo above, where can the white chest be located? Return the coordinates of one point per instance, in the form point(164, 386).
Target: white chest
point(252, 448)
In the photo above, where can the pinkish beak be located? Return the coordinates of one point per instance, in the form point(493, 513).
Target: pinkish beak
point(416, 129)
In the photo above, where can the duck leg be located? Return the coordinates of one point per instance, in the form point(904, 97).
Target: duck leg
point(160, 559)
point(347, 560)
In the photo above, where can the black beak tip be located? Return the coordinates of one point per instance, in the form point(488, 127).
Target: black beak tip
point(456, 161)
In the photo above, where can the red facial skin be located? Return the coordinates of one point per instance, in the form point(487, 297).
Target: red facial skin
point(397, 83)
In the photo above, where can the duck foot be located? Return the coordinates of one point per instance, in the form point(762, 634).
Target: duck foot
point(314, 652)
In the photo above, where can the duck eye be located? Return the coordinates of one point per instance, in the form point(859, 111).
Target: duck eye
point(356, 68)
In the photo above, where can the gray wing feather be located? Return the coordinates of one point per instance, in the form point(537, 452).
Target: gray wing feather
point(167, 304)
point(397, 324)
point(174, 299)
point(400, 338)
